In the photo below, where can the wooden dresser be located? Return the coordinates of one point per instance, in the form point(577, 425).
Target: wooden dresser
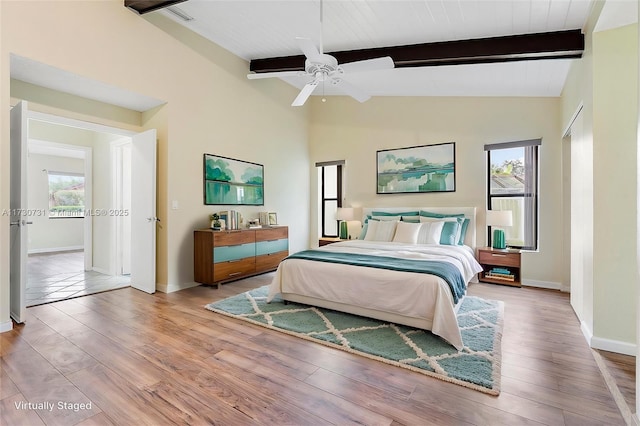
point(222, 256)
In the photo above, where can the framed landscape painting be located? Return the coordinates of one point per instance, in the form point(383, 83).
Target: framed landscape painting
point(426, 168)
point(232, 182)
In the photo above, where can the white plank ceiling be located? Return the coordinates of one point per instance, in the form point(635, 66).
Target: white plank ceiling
point(267, 28)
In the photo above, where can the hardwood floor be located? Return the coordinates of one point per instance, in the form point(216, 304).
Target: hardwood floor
point(134, 358)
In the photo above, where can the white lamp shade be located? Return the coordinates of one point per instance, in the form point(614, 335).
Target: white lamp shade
point(499, 218)
point(344, 213)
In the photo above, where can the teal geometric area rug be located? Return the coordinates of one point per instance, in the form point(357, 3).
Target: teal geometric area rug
point(476, 366)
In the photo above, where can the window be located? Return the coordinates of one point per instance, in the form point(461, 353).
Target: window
point(330, 191)
point(512, 170)
point(66, 195)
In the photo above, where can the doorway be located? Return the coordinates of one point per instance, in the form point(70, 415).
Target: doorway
point(61, 188)
point(101, 216)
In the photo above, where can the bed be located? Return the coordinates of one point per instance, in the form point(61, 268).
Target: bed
point(396, 279)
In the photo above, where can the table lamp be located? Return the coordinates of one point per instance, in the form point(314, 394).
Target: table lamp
point(497, 218)
point(344, 214)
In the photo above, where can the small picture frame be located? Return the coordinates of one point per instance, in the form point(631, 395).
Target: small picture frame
point(273, 218)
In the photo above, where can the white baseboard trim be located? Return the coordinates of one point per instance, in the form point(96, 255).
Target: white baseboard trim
point(6, 326)
point(55, 249)
point(170, 288)
point(542, 284)
point(586, 332)
point(616, 346)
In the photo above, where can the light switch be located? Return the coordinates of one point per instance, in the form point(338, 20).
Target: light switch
point(174, 204)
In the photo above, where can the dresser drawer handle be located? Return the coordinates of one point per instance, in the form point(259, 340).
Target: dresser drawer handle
point(498, 255)
point(234, 274)
point(234, 261)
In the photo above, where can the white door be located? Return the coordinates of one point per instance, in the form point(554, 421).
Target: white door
point(19, 217)
point(143, 211)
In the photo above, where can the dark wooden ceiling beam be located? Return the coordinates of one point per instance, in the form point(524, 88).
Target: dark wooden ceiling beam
point(523, 47)
point(146, 6)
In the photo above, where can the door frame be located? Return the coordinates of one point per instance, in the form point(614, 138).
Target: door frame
point(117, 150)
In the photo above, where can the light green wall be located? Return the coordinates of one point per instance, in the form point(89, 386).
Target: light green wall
point(211, 108)
point(605, 81)
point(578, 92)
point(343, 129)
point(615, 118)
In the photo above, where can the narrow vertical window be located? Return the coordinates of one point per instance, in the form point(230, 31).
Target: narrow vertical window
point(330, 193)
point(512, 170)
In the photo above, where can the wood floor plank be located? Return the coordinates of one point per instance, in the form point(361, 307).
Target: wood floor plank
point(402, 411)
point(9, 415)
point(326, 406)
point(125, 362)
point(7, 387)
point(40, 382)
point(123, 402)
point(605, 413)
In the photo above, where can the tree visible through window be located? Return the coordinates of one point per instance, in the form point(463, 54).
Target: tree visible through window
point(66, 195)
point(513, 185)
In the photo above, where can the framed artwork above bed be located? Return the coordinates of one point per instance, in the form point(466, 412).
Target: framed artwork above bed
point(425, 168)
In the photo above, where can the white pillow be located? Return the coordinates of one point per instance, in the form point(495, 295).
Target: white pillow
point(407, 232)
point(386, 230)
point(372, 228)
point(424, 219)
point(430, 232)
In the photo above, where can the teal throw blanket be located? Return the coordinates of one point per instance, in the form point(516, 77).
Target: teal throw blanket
point(444, 270)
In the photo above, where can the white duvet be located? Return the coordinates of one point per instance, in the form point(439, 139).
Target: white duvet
point(410, 295)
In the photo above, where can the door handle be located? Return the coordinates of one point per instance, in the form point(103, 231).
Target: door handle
point(16, 223)
point(153, 219)
point(24, 222)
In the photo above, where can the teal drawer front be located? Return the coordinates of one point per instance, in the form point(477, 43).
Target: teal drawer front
point(227, 253)
point(266, 247)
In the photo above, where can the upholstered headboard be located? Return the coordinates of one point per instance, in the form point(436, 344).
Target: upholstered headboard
point(469, 213)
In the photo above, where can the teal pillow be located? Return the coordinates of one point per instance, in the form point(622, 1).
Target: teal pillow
point(363, 233)
point(449, 233)
point(413, 213)
point(463, 231)
point(440, 215)
point(401, 216)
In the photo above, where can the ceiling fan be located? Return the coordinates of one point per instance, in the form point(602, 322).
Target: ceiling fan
point(323, 68)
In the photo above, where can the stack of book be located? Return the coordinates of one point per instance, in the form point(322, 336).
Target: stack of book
point(264, 218)
point(232, 219)
point(500, 274)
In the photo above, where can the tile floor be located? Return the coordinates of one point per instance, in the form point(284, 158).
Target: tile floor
point(57, 276)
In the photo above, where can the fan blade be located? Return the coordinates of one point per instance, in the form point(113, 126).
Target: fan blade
point(309, 49)
point(260, 75)
point(351, 90)
point(384, 63)
point(305, 93)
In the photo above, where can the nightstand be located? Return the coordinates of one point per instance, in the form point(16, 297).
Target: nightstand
point(499, 266)
point(329, 240)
